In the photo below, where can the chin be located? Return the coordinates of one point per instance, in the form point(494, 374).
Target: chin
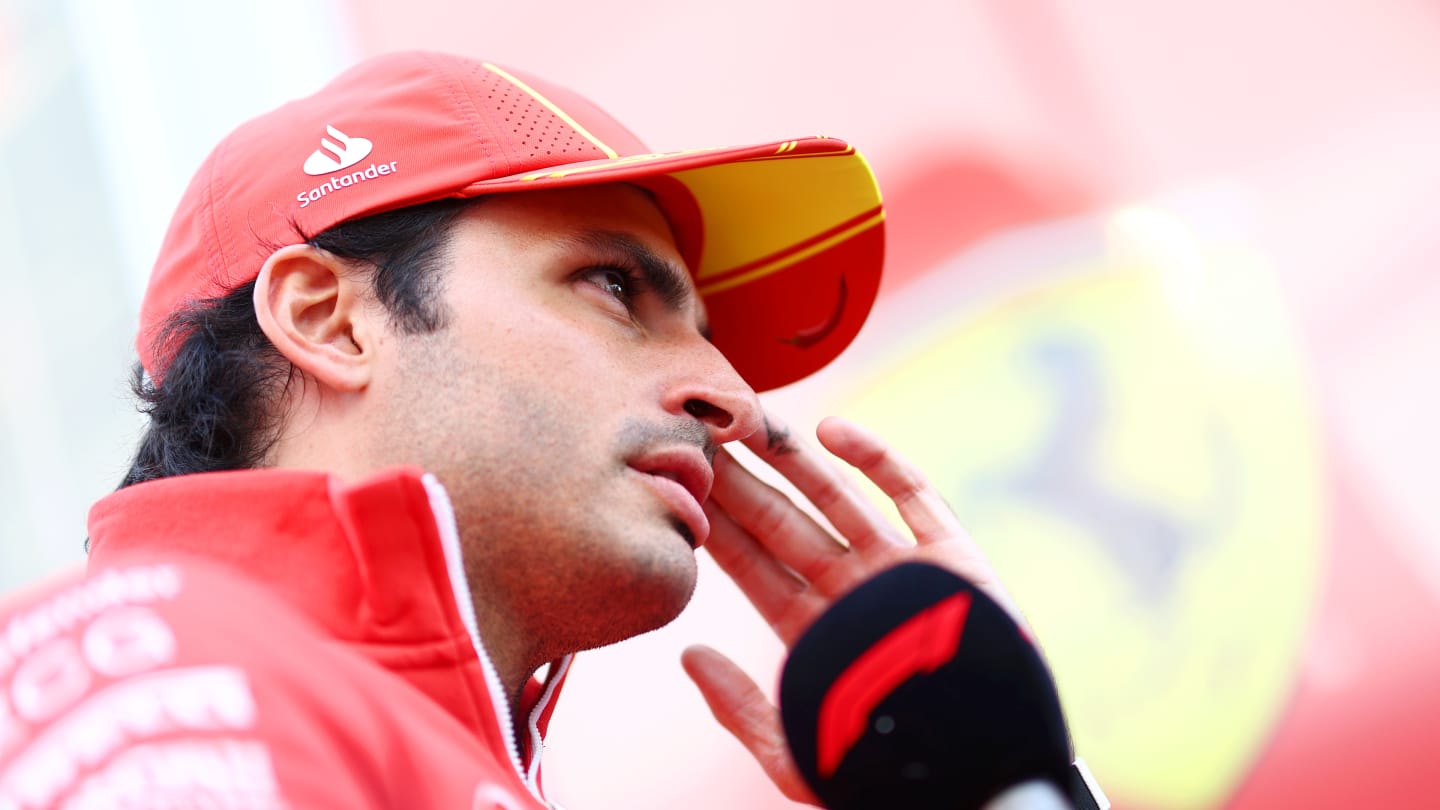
point(656, 600)
point(648, 600)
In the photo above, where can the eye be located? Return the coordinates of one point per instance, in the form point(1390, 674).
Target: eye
point(618, 282)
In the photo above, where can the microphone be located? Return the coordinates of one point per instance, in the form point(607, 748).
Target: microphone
point(917, 690)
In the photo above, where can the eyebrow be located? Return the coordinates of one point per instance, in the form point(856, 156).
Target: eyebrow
point(670, 282)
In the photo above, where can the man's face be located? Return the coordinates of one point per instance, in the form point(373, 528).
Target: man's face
point(571, 406)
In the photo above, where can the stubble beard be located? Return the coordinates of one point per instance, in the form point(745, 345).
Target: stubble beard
point(563, 549)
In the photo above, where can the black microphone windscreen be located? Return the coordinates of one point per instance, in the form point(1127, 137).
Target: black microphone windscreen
point(917, 690)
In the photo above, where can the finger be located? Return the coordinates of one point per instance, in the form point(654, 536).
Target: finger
point(768, 516)
point(821, 482)
point(920, 504)
point(771, 587)
point(744, 711)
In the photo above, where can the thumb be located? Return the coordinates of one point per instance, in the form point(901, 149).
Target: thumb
point(744, 711)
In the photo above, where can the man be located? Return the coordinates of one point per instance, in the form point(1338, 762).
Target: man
point(439, 362)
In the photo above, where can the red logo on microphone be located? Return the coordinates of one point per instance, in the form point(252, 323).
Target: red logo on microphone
point(920, 645)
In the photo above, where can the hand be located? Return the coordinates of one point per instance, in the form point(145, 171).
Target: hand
point(792, 569)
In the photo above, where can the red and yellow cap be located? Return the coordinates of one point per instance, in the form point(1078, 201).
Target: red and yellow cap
point(785, 240)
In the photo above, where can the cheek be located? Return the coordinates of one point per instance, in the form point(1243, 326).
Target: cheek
point(539, 414)
point(535, 387)
point(553, 333)
point(581, 369)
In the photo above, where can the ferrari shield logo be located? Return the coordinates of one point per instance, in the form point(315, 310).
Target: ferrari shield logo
point(1132, 442)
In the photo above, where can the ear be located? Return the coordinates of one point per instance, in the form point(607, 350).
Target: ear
point(311, 305)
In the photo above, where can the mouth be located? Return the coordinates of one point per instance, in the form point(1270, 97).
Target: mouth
point(681, 479)
point(685, 532)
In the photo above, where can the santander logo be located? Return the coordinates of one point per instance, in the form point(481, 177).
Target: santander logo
point(344, 152)
point(341, 153)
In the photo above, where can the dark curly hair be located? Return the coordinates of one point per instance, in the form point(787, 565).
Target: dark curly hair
point(212, 408)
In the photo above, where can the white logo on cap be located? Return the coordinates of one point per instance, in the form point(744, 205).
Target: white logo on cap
point(347, 153)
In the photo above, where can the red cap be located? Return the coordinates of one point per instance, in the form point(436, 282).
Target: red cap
point(785, 240)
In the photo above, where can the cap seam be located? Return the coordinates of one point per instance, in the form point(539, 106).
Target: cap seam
point(459, 94)
point(550, 106)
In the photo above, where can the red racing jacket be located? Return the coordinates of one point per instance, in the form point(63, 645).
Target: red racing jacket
point(263, 639)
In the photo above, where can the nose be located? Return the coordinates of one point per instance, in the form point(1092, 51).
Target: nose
point(717, 396)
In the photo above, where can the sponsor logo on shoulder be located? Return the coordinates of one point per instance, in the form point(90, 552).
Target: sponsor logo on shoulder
point(335, 155)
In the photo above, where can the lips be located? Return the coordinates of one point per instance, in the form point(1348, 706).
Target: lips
point(681, 478)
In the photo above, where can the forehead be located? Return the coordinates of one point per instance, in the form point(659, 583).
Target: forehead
point(563, 207)
point(614, 222)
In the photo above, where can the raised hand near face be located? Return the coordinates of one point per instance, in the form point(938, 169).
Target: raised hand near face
point(791, 568)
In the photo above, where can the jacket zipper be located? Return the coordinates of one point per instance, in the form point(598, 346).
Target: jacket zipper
point(444, 515)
